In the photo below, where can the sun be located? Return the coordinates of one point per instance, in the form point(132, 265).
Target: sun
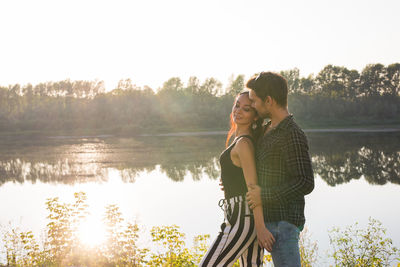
point(92, 232)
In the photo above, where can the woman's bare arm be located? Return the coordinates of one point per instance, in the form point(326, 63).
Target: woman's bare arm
point(244, 151)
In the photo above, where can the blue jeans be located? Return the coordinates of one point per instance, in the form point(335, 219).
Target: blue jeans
point(285, 251)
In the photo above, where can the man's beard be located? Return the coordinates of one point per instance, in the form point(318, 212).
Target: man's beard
point(267, 115)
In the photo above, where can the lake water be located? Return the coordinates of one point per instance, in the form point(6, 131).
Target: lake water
point(174, 180)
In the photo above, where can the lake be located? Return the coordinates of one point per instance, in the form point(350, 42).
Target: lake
point(169, 180)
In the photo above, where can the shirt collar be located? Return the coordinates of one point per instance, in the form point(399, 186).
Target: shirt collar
point(283, 124)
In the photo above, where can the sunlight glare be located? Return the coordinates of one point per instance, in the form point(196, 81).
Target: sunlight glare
point(92, 232)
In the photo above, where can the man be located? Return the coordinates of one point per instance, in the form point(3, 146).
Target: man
point(284, 169)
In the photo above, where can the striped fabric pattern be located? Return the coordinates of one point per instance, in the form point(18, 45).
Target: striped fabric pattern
point(236, 239)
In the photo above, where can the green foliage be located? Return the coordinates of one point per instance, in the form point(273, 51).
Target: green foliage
point(64, 220)
point(236, 85)
point(362, 247)
point(293, 80)
point(22, 249)
point(174, 251)
point(308, 249)
point(200, 247)
point(335, 93)
point(121, 246)
point(62, 246)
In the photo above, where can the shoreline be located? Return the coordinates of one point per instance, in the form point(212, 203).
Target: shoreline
point(375, 129)
point(322, 130)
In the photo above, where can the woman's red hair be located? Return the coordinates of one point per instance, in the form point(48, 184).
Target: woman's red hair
point(232, 129)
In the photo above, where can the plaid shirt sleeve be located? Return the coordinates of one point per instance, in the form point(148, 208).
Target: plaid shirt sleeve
point(298, 167)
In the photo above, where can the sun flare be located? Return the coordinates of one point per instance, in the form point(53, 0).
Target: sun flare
point(92, 232)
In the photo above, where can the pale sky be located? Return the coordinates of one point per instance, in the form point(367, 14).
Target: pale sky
point(150, 41)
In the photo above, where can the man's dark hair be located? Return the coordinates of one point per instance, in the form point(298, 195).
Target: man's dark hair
point(269, 84)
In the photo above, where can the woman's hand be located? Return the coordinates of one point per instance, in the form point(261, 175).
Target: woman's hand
point(253, 196)
point(221, 185)
point(265, 238)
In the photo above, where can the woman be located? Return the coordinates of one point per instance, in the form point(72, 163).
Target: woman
point(243, 234)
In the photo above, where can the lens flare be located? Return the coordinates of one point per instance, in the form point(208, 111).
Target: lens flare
point(92, 232)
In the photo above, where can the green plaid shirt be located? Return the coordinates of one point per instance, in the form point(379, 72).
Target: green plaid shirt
point(284, 172)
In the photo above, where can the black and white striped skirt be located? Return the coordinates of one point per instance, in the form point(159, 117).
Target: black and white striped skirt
point(237, 238)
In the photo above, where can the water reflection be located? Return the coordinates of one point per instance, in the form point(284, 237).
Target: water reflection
point(86, 160)
point(337, 158)
point(18, 170)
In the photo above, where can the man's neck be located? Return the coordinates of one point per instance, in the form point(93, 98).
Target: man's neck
point(278, 116)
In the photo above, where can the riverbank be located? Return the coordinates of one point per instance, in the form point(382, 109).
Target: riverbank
point(329, 130)
point(105, 133)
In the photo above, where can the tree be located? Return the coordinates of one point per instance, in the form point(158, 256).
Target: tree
point(193, 86)
point(125, 85)
point(41, 89)
point(333, 81)
point(293, 79)
point(172, 85)
point(307, 85)
point(393, 79)
point(372, 80)
point(235, 85)
point(210, 86)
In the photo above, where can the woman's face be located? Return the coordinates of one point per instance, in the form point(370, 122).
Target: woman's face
point(242, 111)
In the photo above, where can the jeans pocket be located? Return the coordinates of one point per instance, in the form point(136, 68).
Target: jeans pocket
point(289, 230)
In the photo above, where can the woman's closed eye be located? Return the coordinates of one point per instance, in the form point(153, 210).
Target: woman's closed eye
point(247, 109)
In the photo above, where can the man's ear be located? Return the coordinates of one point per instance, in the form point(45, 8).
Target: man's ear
point(268, 100)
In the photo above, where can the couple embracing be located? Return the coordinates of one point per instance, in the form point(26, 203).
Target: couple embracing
point(266, 172)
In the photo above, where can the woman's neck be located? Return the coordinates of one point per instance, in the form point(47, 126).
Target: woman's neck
point(242, 131)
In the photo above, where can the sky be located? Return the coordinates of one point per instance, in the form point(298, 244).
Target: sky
point(150, 41)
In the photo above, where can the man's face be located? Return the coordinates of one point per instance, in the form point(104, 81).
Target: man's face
point(260, 105)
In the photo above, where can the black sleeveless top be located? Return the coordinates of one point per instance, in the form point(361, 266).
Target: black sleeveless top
point(232, 176)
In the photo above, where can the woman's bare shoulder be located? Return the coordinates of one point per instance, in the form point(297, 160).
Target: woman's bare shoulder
point(245, 144)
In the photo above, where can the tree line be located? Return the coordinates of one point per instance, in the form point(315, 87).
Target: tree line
point(335, 95)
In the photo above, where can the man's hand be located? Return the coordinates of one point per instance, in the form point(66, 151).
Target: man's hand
point(265, 238)
point(253, 196)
